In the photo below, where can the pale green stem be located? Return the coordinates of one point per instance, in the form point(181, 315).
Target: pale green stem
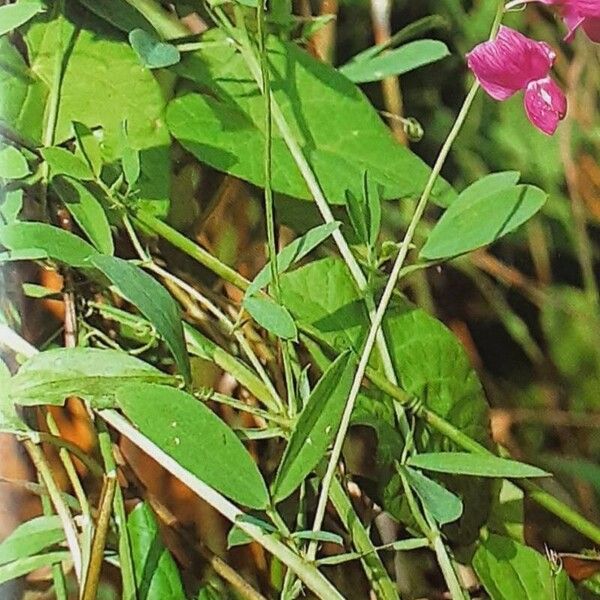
point(306, 571)
point(387, 295)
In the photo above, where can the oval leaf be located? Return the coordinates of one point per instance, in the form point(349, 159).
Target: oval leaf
point(463, 463)
point(273, 317)
point(153, 301)
point(443, 505)
point(197, 439)
point(13, 164)
point(316, 427)
point(90, 373)
point(153, 53)
point(471, 223)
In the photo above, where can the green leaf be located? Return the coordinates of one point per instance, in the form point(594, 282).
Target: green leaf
point(444, 506)
point(156, 574)
point(272, 316)
point(90, 373)
point(430, 363)
point(11, 206)
point(292, 253)
point(128, 92)
point(153, 301)
point(35, 240)
point(395, 62)
point(238, 537)
point(488, 185)
point(63, 162)
point(15, 15)
point(509, 570)
point(197, 439)
point(88, 147)
point(22, 566)
point(507, 515)
point(463, 463)
point(319, 536)
point(472, 222)
point(316, 427)
point(153, 53)
point(224, 128)
point(31, 537)
point(13, 165)
point(87, 212)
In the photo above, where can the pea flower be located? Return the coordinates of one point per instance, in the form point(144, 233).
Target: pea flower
point(512, 63)
point(575, 14)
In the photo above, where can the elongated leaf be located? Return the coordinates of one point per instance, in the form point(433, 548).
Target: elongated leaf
point(156, 574)
point(63, 162)
point(319, 536)
point(197, 439)
point(292, 253)
point(396, 62)
point(13, 165)
point(90, 373)
point(316, 427)
point(509, 570)
point(238, 537)
point(31, 537)
point(153, 301)
point(225, 128)
point(15, 15)
point(443, 505)
point(273, 317)
point(87, 212)
point(41, 240)
point(471, 223)
point(463, 463)
point(22, 566)
point(88, 147)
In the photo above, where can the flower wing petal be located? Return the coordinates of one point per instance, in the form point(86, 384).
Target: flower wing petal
point(545, 104)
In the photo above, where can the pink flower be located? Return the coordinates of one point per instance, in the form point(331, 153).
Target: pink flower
point(513, 63)
point(579, 13)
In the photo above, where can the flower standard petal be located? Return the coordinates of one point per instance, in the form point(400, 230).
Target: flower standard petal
point(507, 64)
point(545, 104)
point(586, 8)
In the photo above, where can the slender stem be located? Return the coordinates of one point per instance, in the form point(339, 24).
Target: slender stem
point(71, 471)
point(387, 294)
point(306, 571)
point(375, 570)
point(42, 467)
point(192, 249)
point(277, 403)
point(269, 210)
point(58, 577)
point(92, 576)
point(125, 556)
point(166, 24)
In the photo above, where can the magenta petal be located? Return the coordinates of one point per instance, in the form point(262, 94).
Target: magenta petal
point(586, 8)
point(508, 63)
point(545, 104)
point(592, 29)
